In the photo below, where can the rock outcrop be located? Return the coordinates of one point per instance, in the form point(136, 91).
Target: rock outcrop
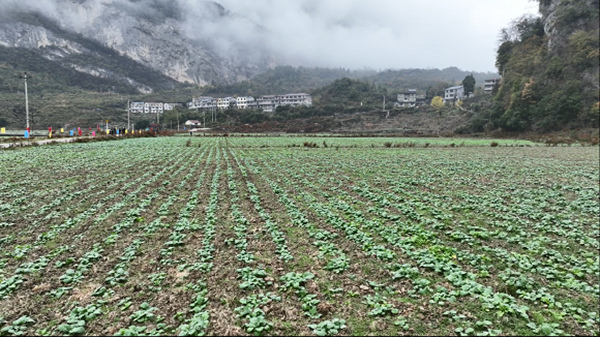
point(158, 36)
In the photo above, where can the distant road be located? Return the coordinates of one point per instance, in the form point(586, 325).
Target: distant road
point(39, 142)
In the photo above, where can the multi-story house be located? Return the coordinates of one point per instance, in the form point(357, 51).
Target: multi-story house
point(409, 99)
point(203, 102)
point(153, 107)
point(136, 107)
point(295, 99)
point(245, 102)
point(170, 106)
point(489, 85)
point(225, 103)
point(268, 103)
point(454, 93)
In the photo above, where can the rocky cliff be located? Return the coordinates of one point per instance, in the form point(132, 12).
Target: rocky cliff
point(550, 69)
point(571, 25)
point(157, 34)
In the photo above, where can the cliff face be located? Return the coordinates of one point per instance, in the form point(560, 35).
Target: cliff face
point(157, 35)
point(550, 70)
point(564, 22)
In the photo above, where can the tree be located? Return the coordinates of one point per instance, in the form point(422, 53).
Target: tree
point(469, 84)
point(437, 102)
point(503, 56)
point(144, 123)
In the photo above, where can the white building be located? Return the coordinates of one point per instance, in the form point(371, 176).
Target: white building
point(192, 122)
point(268, 103)
point(225, 103)
point(203, 102)
point(170, 106)
point(245, 102)
point(489, 85)
point(153, 107)
point(454, 94)
point(295, 99)
point(136, 107)
point(407, 98)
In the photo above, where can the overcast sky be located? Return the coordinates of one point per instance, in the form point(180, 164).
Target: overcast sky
point(383, 34)
point(354, 34)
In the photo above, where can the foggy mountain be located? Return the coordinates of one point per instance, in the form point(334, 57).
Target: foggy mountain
point(147, 44)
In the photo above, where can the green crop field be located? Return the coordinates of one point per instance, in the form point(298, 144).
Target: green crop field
point(299, 236)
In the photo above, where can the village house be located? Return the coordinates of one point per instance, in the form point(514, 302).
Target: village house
point(203, 102)
point(295, 99)
point(489, 85)
point(245, 102)
point(453, 94)
point(266, 103)
point(192, 123)
point(409, 99)
point(136, 107)
point(170, 106)
point(225, 103)
point(151, 107)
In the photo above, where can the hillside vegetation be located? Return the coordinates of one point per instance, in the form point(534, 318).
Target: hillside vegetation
point(59, 96)
point(550, 68)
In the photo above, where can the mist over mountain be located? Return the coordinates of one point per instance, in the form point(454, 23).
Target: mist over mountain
point(183, 40)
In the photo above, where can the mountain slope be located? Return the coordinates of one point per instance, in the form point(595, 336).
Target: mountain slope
point(127, 41)
point(551, 69)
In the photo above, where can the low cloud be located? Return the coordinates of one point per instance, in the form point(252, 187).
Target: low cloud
point(377, 34)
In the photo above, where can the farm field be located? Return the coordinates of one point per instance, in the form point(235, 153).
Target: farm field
point(271, 236)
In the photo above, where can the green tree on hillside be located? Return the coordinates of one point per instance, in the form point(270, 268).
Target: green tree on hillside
point(469, 84)
point(549, 78)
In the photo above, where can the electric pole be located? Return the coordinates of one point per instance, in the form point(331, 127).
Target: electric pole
point(128, 118)
point(25, 77)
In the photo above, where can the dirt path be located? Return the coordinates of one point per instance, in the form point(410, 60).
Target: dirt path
point(38, 142)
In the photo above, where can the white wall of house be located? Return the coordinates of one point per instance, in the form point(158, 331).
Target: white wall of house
point(267, 103)
point(136, 107)
point(454, 93)
point(489, 84)
point(153, 107)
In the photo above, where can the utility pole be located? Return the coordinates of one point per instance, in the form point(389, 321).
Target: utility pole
point(128, 113)
point(25, 77)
